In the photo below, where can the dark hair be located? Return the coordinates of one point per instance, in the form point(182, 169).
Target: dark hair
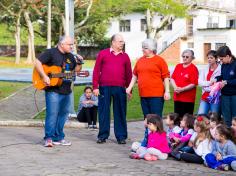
point(212, 53)
point(189, 120)
point(174, 117)
point(234, 119)
point(227, 132)
point(214, 117)
point(88, 87)
point(155, 120)
point(224, 51)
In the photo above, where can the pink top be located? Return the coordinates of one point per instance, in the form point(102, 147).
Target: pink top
point(159, 141)
point(111, 69)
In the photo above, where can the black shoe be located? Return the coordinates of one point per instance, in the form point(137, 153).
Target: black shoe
point(101, 141)
point(121, 142)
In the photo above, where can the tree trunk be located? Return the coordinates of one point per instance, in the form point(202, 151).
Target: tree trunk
point(17, 38)
point(31, 50)
point(148, 19)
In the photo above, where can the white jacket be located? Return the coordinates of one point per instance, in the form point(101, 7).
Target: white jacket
point(203, 148)
point(202, 80)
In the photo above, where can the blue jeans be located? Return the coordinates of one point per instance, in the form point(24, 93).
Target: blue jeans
point(205, 107)
point(118, 95)
point(57, 110)
point(213, 163)
point(228, 108)
point(152, 105)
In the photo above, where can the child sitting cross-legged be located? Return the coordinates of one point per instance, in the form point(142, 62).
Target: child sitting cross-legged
point(180, 140)
point(200, 142)
point(172, 122)
point(223, 151)
point(157, 144)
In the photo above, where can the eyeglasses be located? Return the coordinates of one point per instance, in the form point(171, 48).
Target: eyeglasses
point(186, 57)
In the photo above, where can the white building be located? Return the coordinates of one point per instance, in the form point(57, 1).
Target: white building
point(209, 28)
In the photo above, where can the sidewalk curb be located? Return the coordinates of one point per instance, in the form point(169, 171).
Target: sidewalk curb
point(38, 123)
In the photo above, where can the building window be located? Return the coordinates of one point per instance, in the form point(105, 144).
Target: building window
point(232, 24)
point(124, 25)
point(190, 45)
point(213, 22)
point(143, 25)
point(218, 45)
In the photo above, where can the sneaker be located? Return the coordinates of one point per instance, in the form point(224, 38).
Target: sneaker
point(223, 167)
point(95, 127)
point(134, 156)
point(62, 142)
point(48, 143)
point(90, 126)
point(149, 157)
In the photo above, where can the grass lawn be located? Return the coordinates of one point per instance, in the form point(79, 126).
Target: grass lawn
point(134, 111)
point(7, 88)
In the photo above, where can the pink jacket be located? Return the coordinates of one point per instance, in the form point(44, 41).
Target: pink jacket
point(159, 141)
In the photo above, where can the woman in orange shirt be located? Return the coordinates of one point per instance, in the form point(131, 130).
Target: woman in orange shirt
point(152, 74)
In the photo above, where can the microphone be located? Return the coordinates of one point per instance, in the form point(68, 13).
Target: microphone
point(78, 59)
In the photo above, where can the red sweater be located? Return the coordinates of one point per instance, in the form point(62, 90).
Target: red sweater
point(111, 69)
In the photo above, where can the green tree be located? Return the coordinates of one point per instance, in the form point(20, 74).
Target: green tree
point(168, 9)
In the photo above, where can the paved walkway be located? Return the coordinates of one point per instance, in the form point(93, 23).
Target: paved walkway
point(21, 105)
point(22, 153)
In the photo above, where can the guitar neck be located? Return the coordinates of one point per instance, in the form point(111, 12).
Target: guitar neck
point(62, 75)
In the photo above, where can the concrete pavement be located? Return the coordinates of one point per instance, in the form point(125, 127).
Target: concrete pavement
point(22, 154)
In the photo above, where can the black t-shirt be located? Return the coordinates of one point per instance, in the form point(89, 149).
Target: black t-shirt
point(66, 61)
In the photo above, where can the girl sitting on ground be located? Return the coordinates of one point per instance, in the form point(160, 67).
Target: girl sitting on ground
point(179, 140)
point(224, 150)
point(201, 144)
point(157, 144)
point(87, 110)
point(214, 122)
point(172, 123)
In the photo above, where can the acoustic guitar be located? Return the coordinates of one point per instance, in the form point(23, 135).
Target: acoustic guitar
point(56, 76)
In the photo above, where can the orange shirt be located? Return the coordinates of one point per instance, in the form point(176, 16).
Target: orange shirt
point(151, 73)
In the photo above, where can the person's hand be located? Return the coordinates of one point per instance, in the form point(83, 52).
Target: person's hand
point(212, 81)
point(218, 156)
point(190, 144)
point(167, 96)
point(96, 92)
point(85, 102)
point(128, 92)
point(79, 59)
point(223, 83)
point(46, 80)
point(177, 140)
point(179, 89)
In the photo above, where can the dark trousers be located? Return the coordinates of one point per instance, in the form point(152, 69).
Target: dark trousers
point(183, 107)
point(152, 105)
point(118, 95)
point(191, 158)
point(228, 104)
point(88, 114)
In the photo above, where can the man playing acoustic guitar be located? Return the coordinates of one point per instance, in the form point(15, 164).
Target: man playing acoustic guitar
point(57, 96)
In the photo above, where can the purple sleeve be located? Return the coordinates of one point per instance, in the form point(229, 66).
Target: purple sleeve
point(128, 71)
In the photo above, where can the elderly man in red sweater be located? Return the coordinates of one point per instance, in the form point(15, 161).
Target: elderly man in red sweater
point(112, 74)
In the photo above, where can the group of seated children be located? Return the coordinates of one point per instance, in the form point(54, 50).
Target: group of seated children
point(87, 109)
point(202, 139)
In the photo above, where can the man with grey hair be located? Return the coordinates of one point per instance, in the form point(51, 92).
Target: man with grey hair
point(112, 74)
point(57, 97)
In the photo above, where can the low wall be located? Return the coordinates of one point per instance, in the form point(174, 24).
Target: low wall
point(7, 50)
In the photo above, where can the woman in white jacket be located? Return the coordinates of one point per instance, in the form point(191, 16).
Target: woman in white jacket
point(206, 79)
